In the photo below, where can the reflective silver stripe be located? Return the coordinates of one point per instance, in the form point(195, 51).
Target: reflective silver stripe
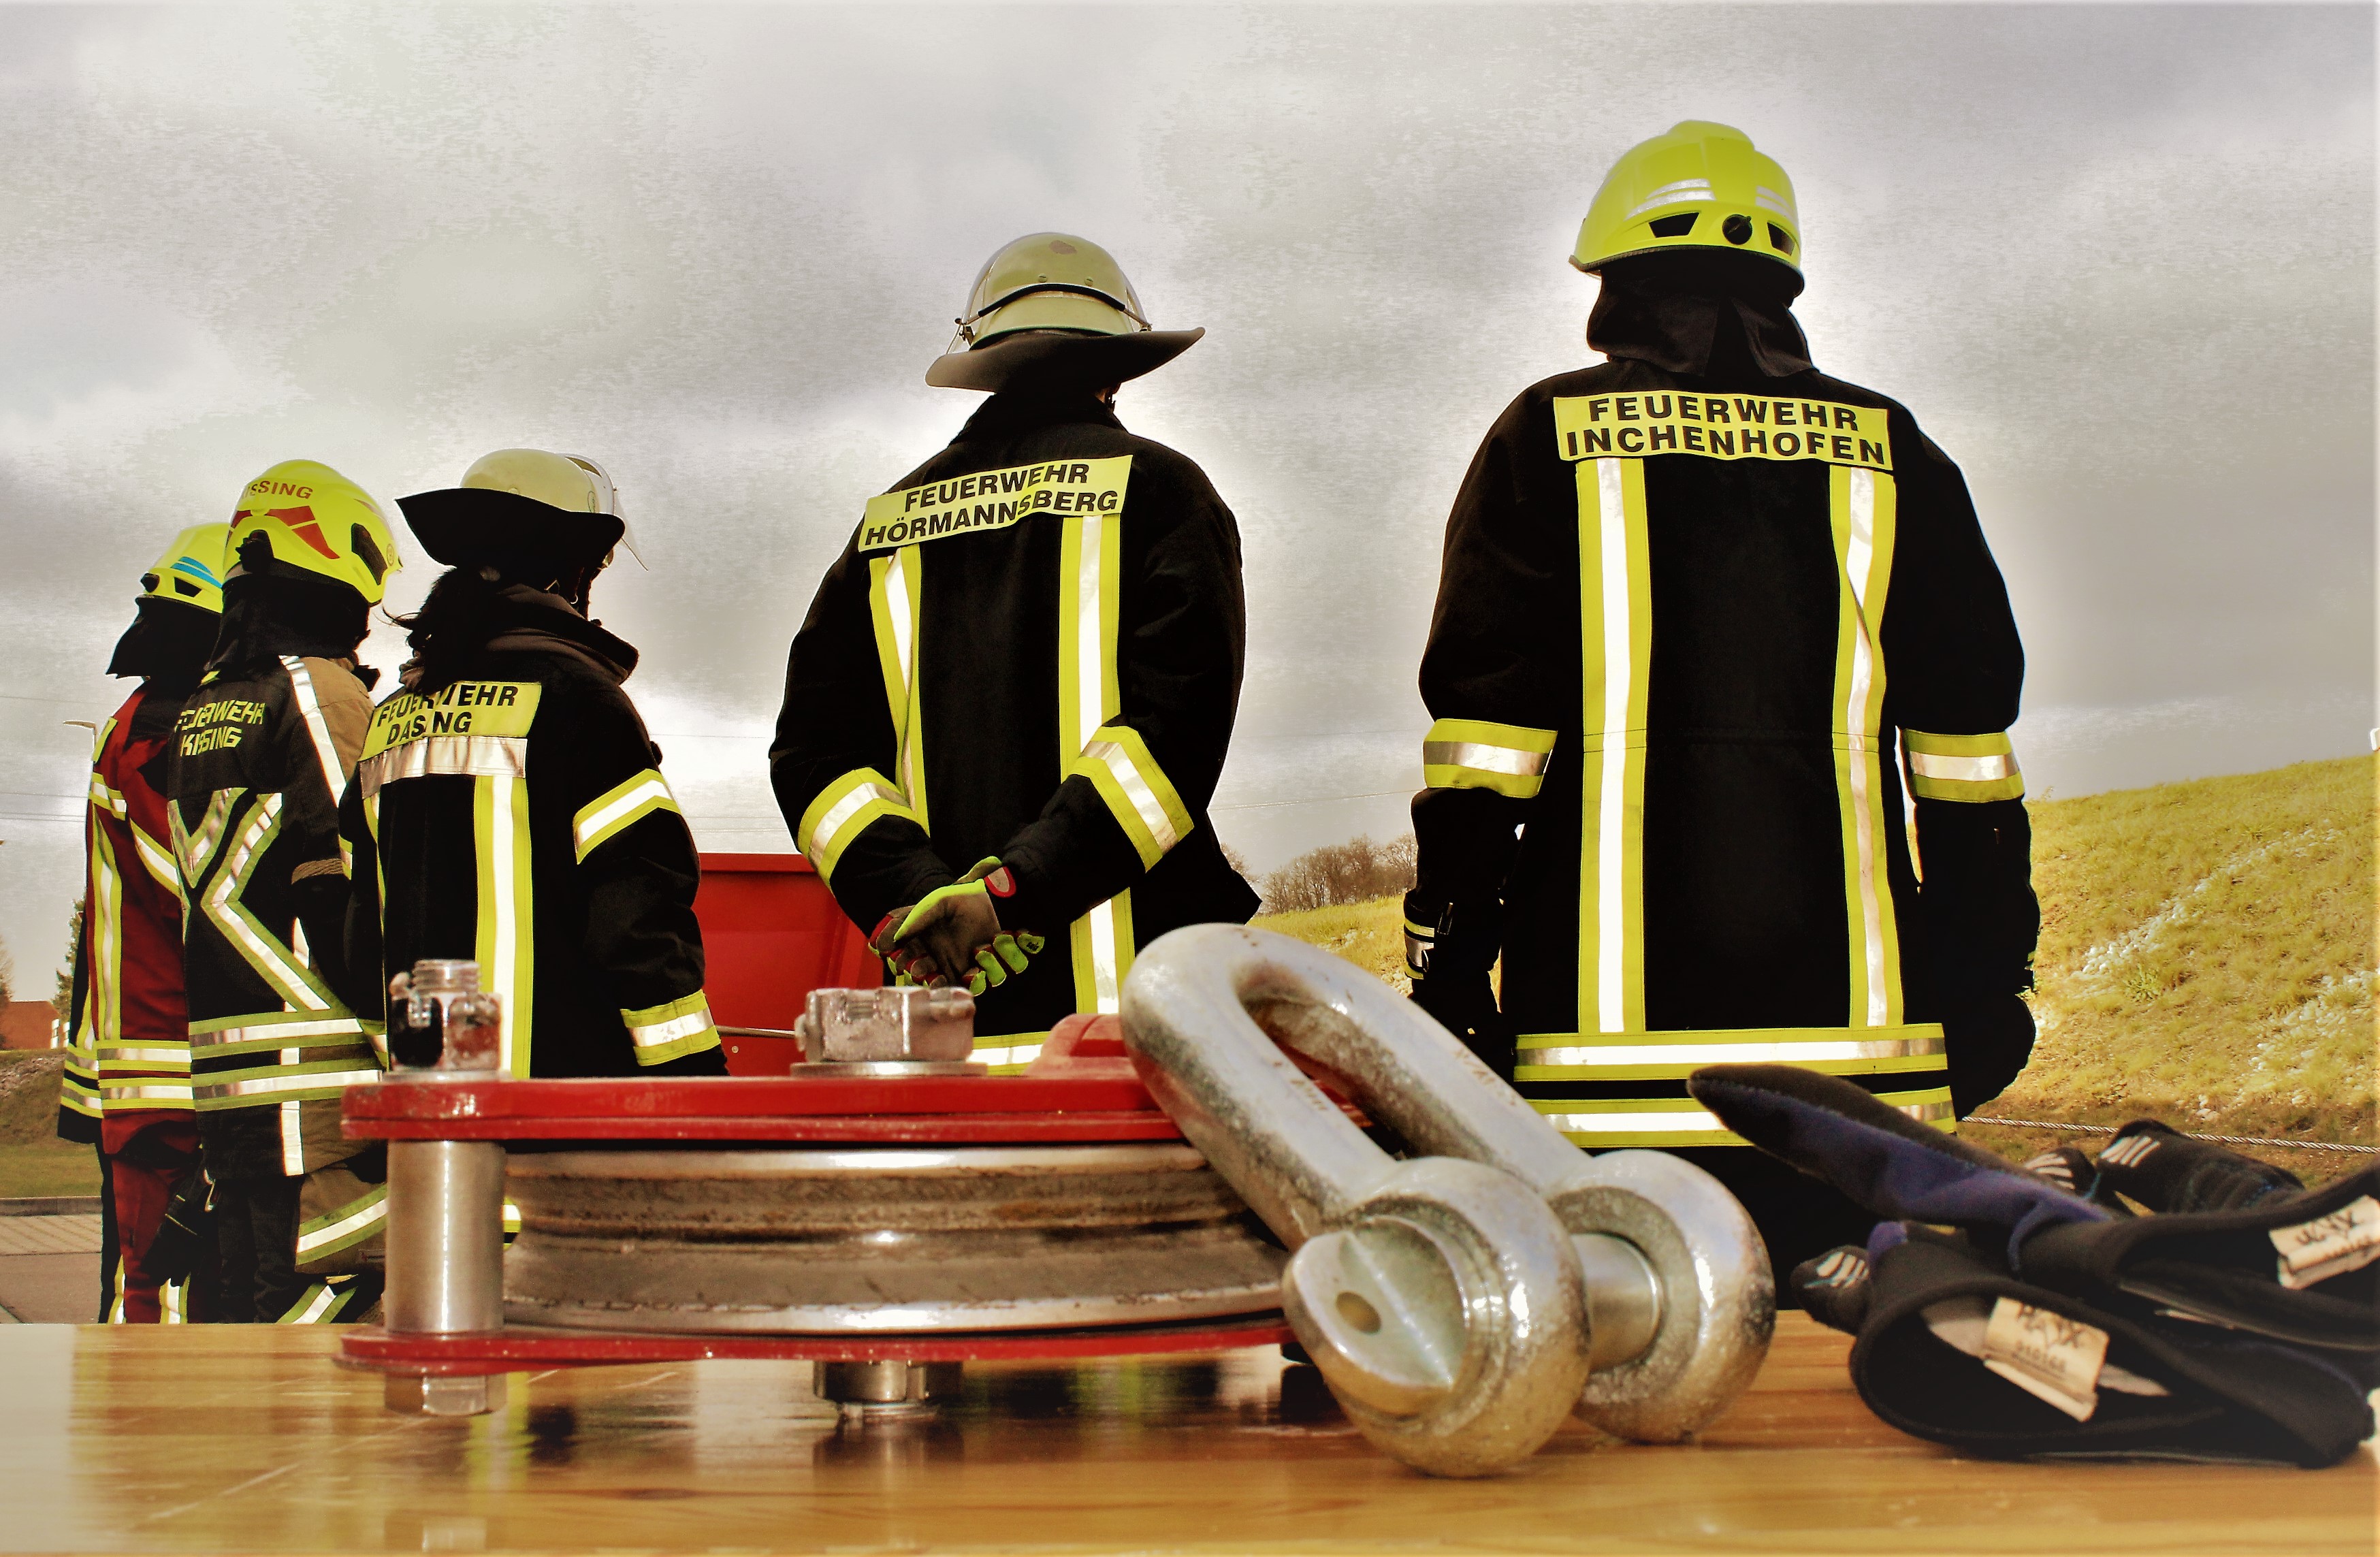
point(280, 1032)
point(163, 1092)
point(1006, 1054)
point(455, 756)
point(199, 847)
point(232, 918)
point(671, 1030)
point(1631, 1124)
point(1484, 758)
point(268, 1086)
point(823, 838)
point(1970, 769)
point(157, 860)
point(311, 1308)
point(591, 828)
point(346, 1227)
point(1119, 763)
point(1671, 194)
point(133, 1055)
point(334, 773)
point(1860, 558)
point(1793, 1052)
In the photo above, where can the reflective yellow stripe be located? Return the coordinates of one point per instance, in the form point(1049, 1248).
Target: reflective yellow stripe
point(618, 809)
point(1610, 1122)
point(662, 1033)
point(1478, 754)
point(345, 1227)
point(323, 1079)
point(222, 902)
point(506, 939)
point(1008, 1054)
point(896, 603)
point(1968, 768)
point(309, 709)
point(1664, 1056)
point(1615, 645)
point(158, 860)
point(1862, 509)
point(1089, 569)
point(843, 811)
point(1137, 793)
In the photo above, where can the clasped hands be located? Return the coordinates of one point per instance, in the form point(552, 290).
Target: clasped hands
point(953, 935)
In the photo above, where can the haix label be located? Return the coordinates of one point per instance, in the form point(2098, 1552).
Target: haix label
point(2348, 1239)
point(993, 500)
point(1720, 427)
point(2047, 1355)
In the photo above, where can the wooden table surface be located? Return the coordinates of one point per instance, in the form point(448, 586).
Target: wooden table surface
point(222, 1438)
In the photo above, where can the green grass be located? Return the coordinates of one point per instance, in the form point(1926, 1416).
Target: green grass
point(2208, 954)
point(46, 1168)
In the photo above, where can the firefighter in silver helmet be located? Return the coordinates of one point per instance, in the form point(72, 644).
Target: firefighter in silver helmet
point(1010, 702)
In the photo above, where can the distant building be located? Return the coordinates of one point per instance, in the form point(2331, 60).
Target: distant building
point(28, 1024)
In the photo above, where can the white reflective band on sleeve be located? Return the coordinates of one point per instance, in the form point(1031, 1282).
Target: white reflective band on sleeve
point(153, 1092)
point(446, 756)
point(592, 827)
point(178, 1058)
point(1485, 758)
point(1972, 770)
point(658, 1033)
point(824, 840)
point(1119, 763)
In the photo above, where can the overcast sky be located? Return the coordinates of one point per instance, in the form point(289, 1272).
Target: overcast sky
point(2118, 260)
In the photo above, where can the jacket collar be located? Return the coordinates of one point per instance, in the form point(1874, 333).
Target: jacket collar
point(1022, 410)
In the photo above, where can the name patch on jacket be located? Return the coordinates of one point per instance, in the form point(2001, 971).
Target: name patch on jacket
point(993, 500)
point(1720, 427)
point(467, 708)
point(216, 725)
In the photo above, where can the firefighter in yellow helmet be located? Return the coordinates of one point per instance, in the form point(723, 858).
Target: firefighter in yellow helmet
point(512, 707)
point(1708, 618)
point(127, 1087)
point(1011, 701)
point(260, 760)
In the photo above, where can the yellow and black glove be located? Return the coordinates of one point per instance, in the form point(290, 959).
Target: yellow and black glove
point(955, 935)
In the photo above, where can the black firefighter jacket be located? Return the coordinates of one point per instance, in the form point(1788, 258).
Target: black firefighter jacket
point(1030, 649)
point(518, 818)
point(260, 759)
point(1695, 636)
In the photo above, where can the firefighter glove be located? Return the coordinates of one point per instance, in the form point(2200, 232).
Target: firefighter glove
point(955, 934)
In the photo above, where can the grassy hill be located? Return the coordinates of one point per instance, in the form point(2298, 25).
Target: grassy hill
point(2207, 953)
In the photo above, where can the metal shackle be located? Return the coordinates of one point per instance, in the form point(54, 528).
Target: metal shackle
point(1440, 1297)
point(1680, 1300)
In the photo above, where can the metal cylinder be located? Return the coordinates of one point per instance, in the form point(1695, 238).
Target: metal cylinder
point(885, 1387)
point(446, 1237)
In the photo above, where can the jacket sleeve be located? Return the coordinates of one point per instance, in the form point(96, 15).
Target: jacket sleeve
point(1490, 678)
point(1148, 772)
point(638, 870)
point(324, 734)
point(365, 989)
point(836, 759)
point(1956, 670)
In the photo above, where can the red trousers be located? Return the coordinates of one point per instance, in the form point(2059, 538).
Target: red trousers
point(135, 1186)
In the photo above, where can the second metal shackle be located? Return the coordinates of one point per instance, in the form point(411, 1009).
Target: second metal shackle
point(1679, 1299)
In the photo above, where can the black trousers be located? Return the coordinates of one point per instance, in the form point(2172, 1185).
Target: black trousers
point(1799, 1218)
point(256, 1236)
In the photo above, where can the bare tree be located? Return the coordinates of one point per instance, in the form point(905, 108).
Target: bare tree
point(1354, 871)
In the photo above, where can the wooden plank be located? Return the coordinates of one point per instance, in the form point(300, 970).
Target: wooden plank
point(249, 1438)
